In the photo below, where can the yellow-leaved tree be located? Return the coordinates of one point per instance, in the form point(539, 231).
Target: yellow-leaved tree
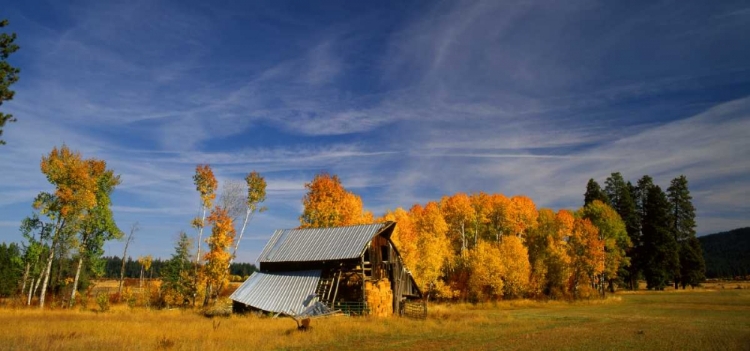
point(328, 204)
point(459, 214)
point(405, 237)
point(206, 184)
point(523, 215)
point(515, 260)
point(499, 216)
point(487, 271)
point(216, 268)
point(433, 247)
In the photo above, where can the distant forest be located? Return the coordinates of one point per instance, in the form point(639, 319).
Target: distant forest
point(727, 254)
point(112, 267)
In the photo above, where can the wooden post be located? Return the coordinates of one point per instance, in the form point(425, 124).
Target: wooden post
point(364, 294)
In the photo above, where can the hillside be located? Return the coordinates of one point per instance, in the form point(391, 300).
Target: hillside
point(727, 254)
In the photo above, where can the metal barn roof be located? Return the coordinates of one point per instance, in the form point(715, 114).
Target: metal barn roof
point(285, 292)
point(319, 244)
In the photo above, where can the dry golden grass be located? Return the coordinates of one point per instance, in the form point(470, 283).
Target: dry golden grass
point(693, 320)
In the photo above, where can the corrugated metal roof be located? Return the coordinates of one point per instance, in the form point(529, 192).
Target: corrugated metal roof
point(319, 244)
point(285, 292)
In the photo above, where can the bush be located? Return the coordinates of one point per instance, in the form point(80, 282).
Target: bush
point(103, 301)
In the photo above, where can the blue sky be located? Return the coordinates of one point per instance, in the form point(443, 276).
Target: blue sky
point(405, 101)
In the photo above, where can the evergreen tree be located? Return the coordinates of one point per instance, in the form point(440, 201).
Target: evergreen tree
point(620, 195)
point(176, 279)
point(692, 265)
point(8, 74)
point(659, 251)
point(632, 219)
point(594, 192)
point(683, 230)
point(11, 269)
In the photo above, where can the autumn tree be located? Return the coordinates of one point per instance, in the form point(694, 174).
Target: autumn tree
point(594, 192)
point(586, 251)
point(458, 213)
point(75, 185)
point(328, 204)
point(499, 215)
point(523, 215)
point(405, 236)
point(616, 240)
point(8, 74)
point(216, 269)
point(433, 247)
point(558, 259)
point(256, 194)
point(145, 262)
point(514, 258)
point(481, 203)
point(487, 271)
point(206, 184)
point(97, 225)
point(538, 244)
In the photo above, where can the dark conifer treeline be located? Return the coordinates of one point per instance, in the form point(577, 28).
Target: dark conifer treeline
point(113, 264)
point(727, 254)
point(661, 227)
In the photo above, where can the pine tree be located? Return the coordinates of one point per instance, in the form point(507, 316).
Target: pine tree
point(692, 265)
point(594, 192)
point(660, 254)
point(683, 230)
point(178, 287)
point(11, 269)
point(632, 219)
point(8, 74)
point(620, 195)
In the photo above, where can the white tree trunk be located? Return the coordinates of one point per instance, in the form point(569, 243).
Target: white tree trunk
point(200, 238)
point(237, 244)
point(75, 281)
point(46, 274)
point(31, 290)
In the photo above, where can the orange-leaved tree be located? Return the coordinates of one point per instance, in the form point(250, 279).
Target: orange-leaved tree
point(482, 204)
point(499, 216)
point(523, 215)
point(328, 204)
point(216, 269)
point(586, 251)
point(75, 182)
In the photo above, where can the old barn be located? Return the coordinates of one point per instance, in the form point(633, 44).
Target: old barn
point(355, 269)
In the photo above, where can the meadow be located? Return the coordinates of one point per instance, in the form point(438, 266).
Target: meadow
point(701, 319)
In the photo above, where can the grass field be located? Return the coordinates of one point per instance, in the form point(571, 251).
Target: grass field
point(685, 320)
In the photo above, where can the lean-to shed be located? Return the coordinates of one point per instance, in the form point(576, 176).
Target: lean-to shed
point(356, 269)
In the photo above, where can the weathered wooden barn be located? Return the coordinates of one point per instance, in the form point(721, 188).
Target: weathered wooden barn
point(356, 269)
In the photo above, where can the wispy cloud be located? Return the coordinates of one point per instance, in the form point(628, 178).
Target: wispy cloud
point(404, 105)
